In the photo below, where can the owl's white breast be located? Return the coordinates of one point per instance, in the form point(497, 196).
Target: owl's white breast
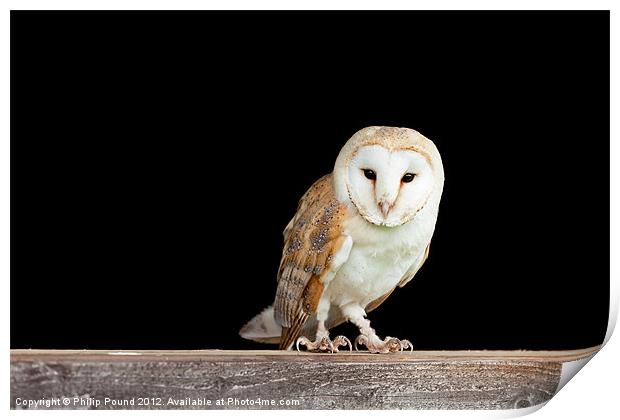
point(380, 257)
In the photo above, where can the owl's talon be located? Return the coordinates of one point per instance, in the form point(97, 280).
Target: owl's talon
point(406, 344)
point(324, 344)
point(303, 341)
point(361, 339)
point(389, 345)
point(341, 340)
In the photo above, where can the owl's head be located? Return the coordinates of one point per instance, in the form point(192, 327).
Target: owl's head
point(389, 174)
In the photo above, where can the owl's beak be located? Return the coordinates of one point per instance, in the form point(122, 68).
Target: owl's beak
point(385, 208)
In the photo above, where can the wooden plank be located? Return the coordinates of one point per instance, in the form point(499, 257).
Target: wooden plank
point(358, 380)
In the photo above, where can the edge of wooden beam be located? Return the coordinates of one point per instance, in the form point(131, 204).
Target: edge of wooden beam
point(355, 356)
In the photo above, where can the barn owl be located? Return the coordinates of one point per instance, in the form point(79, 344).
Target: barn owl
point(358, 233)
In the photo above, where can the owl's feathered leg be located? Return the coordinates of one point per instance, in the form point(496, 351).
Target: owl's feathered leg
point(322, 342)
point(368, 337)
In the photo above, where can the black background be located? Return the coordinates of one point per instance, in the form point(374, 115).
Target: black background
point(157, 157)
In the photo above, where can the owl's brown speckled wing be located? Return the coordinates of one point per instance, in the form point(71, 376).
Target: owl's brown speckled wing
point(313, 248)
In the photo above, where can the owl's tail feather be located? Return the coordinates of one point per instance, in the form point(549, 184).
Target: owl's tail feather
point(263, 328)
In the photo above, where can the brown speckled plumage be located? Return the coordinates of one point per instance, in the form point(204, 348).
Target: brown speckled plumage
point(310, 240)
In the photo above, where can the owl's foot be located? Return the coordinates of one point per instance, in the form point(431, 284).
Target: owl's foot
point(389, 345)
point(324, 344)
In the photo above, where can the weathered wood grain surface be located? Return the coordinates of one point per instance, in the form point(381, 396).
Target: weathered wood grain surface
point(287, 380)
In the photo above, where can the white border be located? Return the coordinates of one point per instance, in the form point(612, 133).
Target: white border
point(592, 395)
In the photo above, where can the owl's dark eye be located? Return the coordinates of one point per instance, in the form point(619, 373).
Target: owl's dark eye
point(370, 174)
point(408, 177)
